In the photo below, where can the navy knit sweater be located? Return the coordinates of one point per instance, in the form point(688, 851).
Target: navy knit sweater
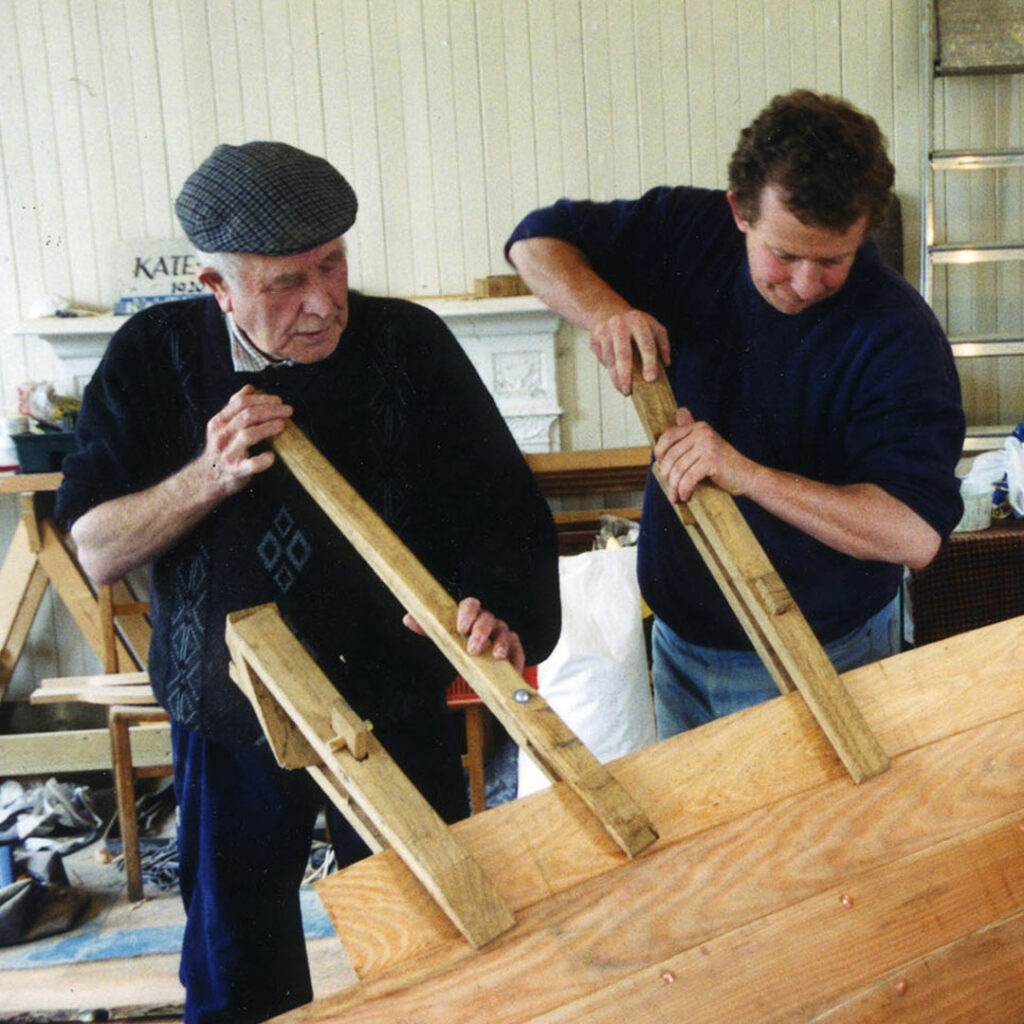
point(858, 388)
point(399, 410)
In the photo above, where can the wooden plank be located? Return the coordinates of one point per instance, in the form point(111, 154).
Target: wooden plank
point(775, 625)
point(596, 471)
point(839, 882)
point(526, 716)
point(385, 796)
point(974, 980)
point(761, 758)
point(105, 680)
point(79, 750)
point(118, 694)
point(792, 963)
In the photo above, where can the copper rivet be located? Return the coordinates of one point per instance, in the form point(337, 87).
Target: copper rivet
point(902, 986)
point(668, 977)
point(845, 900)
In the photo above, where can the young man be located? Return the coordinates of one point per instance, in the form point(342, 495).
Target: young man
point(814, 384)
point(173, 470)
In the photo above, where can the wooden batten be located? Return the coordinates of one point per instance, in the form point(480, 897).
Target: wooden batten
point(757, 595)
point(310, 725)
point(779, 890)
point(525, 714)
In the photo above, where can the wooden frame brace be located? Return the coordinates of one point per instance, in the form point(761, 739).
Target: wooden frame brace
point(523, 712)
point(309, 725)
point(759, 598)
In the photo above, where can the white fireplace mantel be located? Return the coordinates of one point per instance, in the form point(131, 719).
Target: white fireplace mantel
point(510, 341)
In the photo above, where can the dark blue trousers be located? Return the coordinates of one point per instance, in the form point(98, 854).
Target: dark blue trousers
point(244, 832)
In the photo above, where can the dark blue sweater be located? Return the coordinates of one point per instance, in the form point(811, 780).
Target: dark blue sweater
point(399, 410)
point(859, 388)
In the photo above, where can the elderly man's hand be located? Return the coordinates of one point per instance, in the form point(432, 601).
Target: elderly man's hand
point(481, 627)
point(227, 463)
point(612, 341)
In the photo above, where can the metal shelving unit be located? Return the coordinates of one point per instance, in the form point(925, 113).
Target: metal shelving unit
point(969, 37)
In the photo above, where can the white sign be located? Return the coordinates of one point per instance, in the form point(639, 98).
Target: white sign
point(149, 271)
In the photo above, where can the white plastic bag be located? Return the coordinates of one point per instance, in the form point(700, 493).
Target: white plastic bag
point(1014, 451)
point(597, 678)
point(1003, 466)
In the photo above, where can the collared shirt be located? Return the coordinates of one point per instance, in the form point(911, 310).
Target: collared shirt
point(245, 356)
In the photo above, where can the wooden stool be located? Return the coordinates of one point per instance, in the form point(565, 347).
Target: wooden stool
point(120, 718)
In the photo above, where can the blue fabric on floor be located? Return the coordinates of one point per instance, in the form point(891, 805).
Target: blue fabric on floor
point(92, 941)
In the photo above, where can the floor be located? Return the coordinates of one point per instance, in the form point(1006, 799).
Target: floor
point(145, 987)
point(128, 987)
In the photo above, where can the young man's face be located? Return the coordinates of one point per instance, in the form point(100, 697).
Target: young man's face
point(290, 307)
point(792, 264)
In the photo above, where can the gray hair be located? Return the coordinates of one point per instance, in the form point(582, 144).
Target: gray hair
point(227, 264)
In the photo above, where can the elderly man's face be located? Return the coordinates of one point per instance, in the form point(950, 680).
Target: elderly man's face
point(290, 307)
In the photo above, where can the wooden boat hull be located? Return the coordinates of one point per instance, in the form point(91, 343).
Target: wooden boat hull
point(778, 891)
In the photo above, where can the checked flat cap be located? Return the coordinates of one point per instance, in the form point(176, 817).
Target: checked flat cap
point(264, 197)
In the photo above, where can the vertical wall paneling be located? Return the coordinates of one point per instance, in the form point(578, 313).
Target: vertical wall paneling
point(351, 111)
point(547, 175)
point(441, 148)
point(94, 165)
point(414, 86)
point(599, 153)
point(752, 44)
point(252, 40)
point(71, 249)
point(674, 79)
point(705, 166)
point(171, 71)
point(523, 111)
point(394, 171)
point(17, 223)
point(215, 92)
point(306, 76)
point(651, 113)
point(907, 144)
point(728, 74)
point(777, 77)
point(463, 223)
point(151, 176)
point(497, 129)
point(629, 45)
point(567, 70)
point(283, 86)
point(37, 178)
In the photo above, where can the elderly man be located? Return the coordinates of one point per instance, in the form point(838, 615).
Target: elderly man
point(814, 385)
point(173, 469)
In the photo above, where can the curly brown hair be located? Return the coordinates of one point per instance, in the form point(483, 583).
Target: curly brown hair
point(826, 155)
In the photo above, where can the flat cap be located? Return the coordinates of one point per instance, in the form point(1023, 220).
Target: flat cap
point(264, 197)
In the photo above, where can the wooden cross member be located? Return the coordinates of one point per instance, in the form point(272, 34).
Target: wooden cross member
point(524, 713)
point(309, 725)
point(759, 598)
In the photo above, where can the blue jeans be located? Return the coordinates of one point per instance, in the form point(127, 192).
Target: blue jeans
point(694, 685)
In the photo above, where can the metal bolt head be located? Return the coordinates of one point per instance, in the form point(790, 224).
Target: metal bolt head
point(522, 696)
